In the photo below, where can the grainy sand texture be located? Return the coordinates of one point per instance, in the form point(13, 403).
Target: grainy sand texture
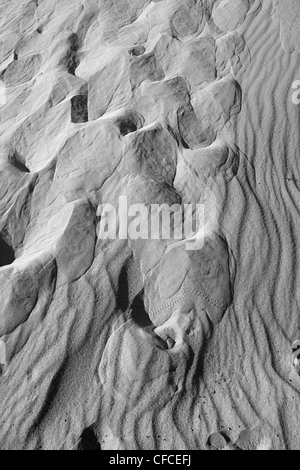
point(141, 341)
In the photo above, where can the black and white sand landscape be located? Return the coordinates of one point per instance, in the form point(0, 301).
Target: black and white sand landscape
point(149, 225)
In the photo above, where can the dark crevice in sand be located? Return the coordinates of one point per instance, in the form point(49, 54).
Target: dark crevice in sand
point(138, 312)
point(130, 122)
point(184, 144)
point(71, 60)
point(140, 317)
point(7, 255)
point(122, 295)
point(296, 356)
point(16, 160)
point(127, 126)
point(79, 109)
point(88, 440)
point(51, 395)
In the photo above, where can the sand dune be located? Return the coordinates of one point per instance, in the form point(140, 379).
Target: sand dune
point(146, 343)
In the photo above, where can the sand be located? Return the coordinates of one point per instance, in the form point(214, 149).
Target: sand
point(136, 344)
